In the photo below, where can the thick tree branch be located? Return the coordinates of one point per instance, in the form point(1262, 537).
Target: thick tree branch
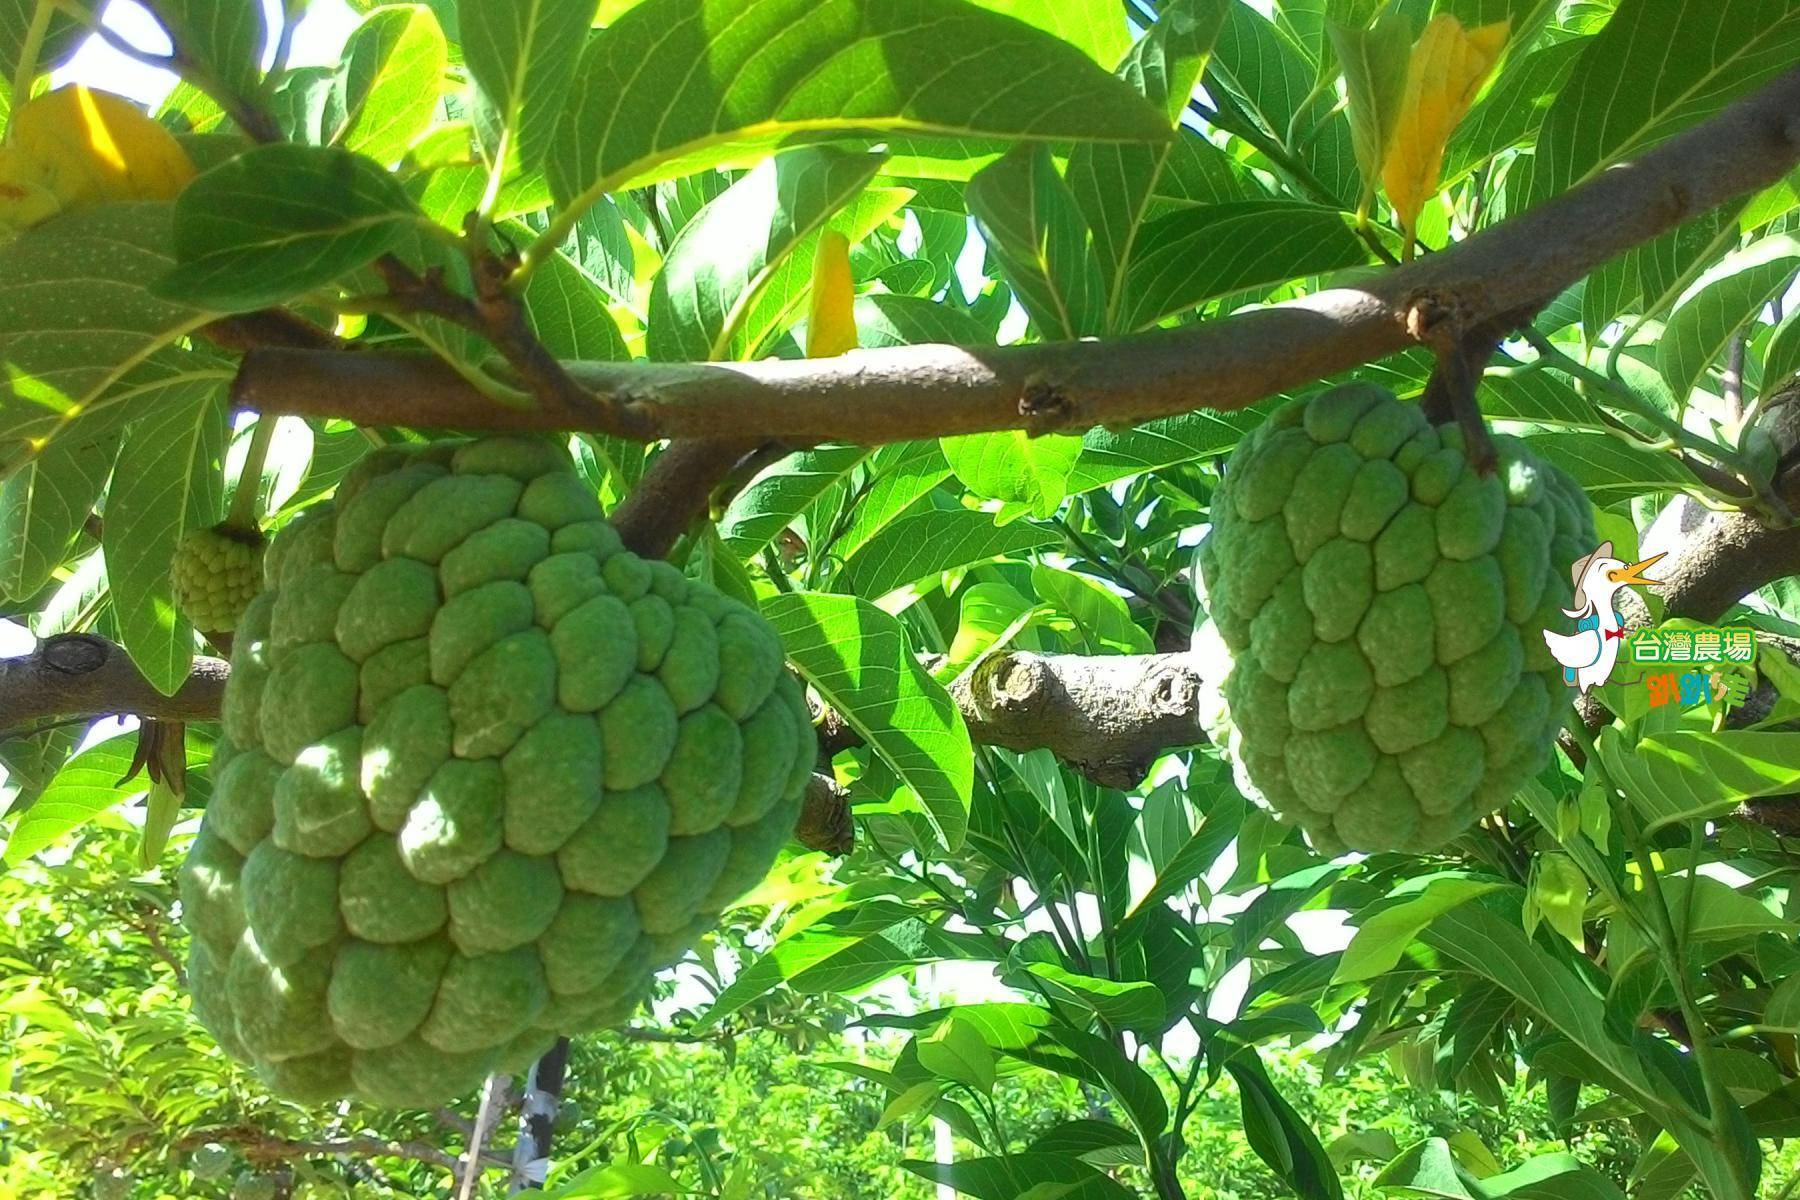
point(913, 392)
point(80, 675)
point(674, 492)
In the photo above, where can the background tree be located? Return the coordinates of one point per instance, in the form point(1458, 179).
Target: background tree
point(1083, 248)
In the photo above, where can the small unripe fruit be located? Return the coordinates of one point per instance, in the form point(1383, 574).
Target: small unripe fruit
point(215, 574)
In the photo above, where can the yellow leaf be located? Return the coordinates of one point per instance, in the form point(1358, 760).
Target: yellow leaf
point(831, 321)
point(87, 147)
point(1446, 70)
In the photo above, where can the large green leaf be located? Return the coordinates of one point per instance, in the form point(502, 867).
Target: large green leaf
point(566, 308)
point(781, 492)
point(42, 507)
point(76, 318)
point(1189, 257)
point(1720, 916)
point(1513, 108)
point(1658, 66)
point(522, 53)
point(1039, 236)
point(1032, 1174)
point(904, 473)
point(223, 40)
point(925, 543)
point(856, 657)
point(1265, 81)
point(1607, 468)
point(1014, 466)
point(166, 482)
point(726, 255)
point(1116, 185)
point(1280, 1135)
point(1097, 27)
point(1107, 455)
point(885, 319)
point(279, 220)
point(1382, 938)
point(1093, 1059)
point(1133, 1004)
point(87, 786)
point(1701, 327)
point(1692, 775)
point(1374, 64)
point(675, 86)
point(1100, 622)
point(386, 90)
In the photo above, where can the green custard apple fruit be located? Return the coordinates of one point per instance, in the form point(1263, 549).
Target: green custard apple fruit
point(482, 773)
point(215, 574)
point(1374, 662)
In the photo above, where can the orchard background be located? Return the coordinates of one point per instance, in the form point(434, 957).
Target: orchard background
point(925, 325)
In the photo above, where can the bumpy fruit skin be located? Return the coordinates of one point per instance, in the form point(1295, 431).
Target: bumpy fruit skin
point(482, 773)
point(1374, 660)
point(214, 575)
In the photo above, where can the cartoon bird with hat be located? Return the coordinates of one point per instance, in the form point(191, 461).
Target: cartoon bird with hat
point(1588, 654)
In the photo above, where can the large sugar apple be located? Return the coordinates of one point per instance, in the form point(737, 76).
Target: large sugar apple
point(482, 772)
point(1374, 660)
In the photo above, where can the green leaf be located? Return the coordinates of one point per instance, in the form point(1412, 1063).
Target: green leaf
point(1040, 238)
point(1115, 185)
point(522, 53)
point(1783, 1009)
point(955, 1051)
point(279, 220)
point(1374, 64)
point(815, 962)
point(1383, 938)
point(1513, 108)
point(1196, 255)
point(1130, 1005)
point(904, 473)
point(76, 318)
point(917, 1098)
point(1426, 1169)
point(1029, 1175)
point(87, 786)
point(781, 492)
point(1107, 456)
point(1014, 466)
point(884, 319)
point(1098, 1062)
point(1782, 360)
point(933, 540)
point(1699, 330)
point(675, 86)
point(1559, 894)
point(1656, 67)
point(1551, 1177)
point(726, 255)
point(42, 507)
point(1102, 623)
point(386, 90)
point(1499, 951)
point(857, 658)
point(1686, 775)
point(1195, 857)
point(167, 481)
point(224, 40)
point(1096, 27)
point(1722, 916)
point(566, 308)
point(618, 1181)
point(1279, 1135)
point(1607, 469)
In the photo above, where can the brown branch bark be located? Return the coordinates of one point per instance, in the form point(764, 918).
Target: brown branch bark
point(913, 392)
point(675, 491)
point(80, 675)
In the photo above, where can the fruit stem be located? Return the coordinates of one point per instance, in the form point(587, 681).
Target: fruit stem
point(242, 516)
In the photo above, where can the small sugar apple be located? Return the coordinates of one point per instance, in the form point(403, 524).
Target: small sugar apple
point(215, 573)
point(482, 772)
point(1374, 663)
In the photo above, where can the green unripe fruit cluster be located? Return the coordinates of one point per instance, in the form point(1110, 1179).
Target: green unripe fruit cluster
point(214, 575)
point(1376, 666)
point(482, 773)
